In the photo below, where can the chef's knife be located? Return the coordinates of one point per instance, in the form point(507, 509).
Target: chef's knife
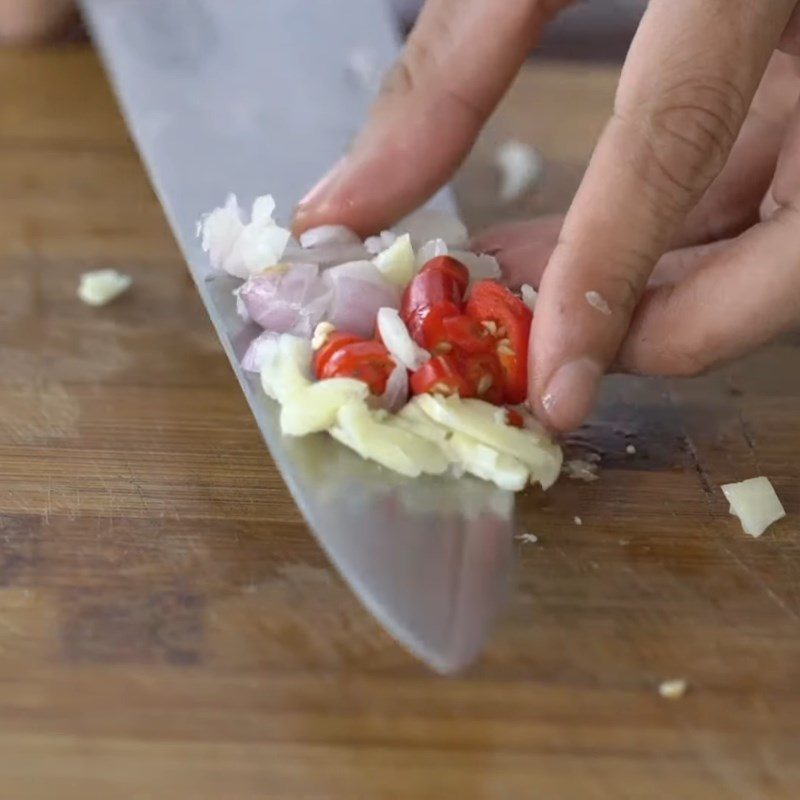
point(256, 96)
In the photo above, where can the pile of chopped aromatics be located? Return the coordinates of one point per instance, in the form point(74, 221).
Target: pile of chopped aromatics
point(406, 347)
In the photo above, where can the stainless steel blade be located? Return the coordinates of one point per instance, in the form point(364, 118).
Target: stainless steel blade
point(254, 96)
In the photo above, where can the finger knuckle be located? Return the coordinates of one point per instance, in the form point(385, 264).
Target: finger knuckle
point(687, 135)
point(624, 291)
point(400, 79)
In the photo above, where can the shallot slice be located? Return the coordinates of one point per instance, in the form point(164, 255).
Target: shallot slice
point(396, 393)
point(259, 351)
point(289, 299)
point(358, 292)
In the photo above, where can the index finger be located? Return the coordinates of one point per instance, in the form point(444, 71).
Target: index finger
point(458, 62)
point(685, 89)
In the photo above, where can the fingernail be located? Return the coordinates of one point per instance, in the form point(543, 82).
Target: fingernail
point(317, 194)
point(570, 393)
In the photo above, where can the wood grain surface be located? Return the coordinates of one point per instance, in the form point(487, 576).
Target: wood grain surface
point(168, 627)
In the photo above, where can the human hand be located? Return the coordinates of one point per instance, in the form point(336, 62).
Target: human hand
point(458, 62)
point(660, 176)
point(28, 21)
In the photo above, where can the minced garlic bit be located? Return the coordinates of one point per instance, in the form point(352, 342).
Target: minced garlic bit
point(579, 469)
point(597, 301)
point(630, 449)
point(102, 286)
point(673, 689)
point(577, 521)
point(528, 538)
point(529, 295)
point(321, 334)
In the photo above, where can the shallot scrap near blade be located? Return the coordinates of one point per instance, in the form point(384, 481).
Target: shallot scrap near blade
point(248, 96)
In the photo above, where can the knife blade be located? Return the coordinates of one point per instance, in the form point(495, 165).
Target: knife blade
point(252, 97)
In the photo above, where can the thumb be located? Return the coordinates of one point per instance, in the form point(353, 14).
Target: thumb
point(457, 64)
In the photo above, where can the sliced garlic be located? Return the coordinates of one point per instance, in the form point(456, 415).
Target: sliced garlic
point(102, 286)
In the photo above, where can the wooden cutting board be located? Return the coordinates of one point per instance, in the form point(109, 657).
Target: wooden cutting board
point(168, 627)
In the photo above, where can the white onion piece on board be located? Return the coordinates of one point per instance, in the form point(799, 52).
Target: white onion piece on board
point(396, 393)
point(328, 234)
point(426, 224)
point(358, 292)
point(429, 250)
point(520, 167)
point(396, 263)
point(289, 299)
point(398, 341)
point(480, 265)
point(259, 351)
point(755, 503)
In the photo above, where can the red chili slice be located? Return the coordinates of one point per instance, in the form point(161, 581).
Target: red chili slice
point(491, 302)
point(441, 375)
point(439, 287)
point(484, 374)
point(366, 361)
point(467, 335)
point(514, 418)
point(334, 342)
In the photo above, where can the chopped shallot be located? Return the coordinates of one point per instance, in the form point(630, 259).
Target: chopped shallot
point(288, 299)
point(359, 291)
point(398, 341)
point(243, 249)
point(328, 234)
point(396, 393)
point(756, 504)
point(259, 351)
